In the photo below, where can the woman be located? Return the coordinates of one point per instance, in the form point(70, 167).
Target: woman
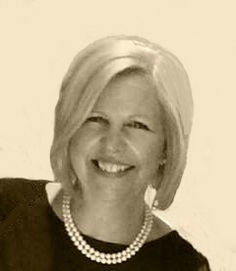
point(122, 125)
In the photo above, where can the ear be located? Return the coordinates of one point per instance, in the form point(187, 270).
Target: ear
point(159, 173)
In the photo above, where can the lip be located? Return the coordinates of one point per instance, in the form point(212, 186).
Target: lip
point(118, 174)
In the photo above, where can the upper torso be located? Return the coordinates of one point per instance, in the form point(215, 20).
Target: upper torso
point(33, 237)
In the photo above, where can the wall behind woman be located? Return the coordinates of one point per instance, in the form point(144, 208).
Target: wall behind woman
point(38, 41)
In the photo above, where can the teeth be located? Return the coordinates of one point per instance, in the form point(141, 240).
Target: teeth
point(111, 168)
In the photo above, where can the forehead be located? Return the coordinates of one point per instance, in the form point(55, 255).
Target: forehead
point(132, 93)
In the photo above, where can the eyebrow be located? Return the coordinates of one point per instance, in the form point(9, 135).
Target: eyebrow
point(144, 117)
point(141, 116)
point(97, 112)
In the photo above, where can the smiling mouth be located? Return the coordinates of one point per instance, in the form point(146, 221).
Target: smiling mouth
point(111, 168)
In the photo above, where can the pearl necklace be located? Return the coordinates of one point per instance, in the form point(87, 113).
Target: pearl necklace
point(95, 255)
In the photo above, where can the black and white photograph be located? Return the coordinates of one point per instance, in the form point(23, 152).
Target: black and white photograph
point(117, 135)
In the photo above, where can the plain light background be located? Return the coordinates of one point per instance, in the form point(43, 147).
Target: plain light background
point(38, 40)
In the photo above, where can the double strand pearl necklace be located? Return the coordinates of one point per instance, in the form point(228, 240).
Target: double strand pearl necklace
point(95, 255)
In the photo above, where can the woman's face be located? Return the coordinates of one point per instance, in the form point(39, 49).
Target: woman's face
point(115, 152)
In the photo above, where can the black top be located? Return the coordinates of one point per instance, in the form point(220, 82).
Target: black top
point(33, 238)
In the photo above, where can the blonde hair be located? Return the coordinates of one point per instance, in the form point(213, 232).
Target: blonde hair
point(90, 72)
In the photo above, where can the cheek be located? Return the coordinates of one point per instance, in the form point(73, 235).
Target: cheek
point(80, 148)
point(149, 153)
point(150, 159)
point(149, 146)
point(82, 141)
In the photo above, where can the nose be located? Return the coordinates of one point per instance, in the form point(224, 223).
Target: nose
point(113, 142)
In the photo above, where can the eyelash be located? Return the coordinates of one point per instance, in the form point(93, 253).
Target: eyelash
point(138, 125)
point(96, 119)
point(134, 124)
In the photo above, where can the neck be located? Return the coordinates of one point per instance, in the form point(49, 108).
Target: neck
point(117, 221)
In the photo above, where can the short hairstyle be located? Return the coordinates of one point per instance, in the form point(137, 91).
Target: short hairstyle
point(90, 72)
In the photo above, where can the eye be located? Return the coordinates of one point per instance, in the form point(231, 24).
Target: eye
point(138, 125)
point(96, 119)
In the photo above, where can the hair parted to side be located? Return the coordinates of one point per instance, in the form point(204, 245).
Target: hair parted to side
point(90, 72)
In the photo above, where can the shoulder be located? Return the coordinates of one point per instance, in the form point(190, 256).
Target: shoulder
point(183, 254)
point(19, 191)
point(25, 225)
point(176, 253)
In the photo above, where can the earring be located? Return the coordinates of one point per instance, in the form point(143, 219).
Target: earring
point(74, 182)
point(155, 204)
point(162, 162)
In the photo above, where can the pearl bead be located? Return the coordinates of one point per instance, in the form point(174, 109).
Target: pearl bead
point(103, 261)
point(83, 251)
point(102, 255)
point(76, 243)
point(108, 256)
point(127, 250)
point(91, 250)
point(113, 261)
point(87, 247)
point(119, 254)
point(129, 255)
point(83, 242)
